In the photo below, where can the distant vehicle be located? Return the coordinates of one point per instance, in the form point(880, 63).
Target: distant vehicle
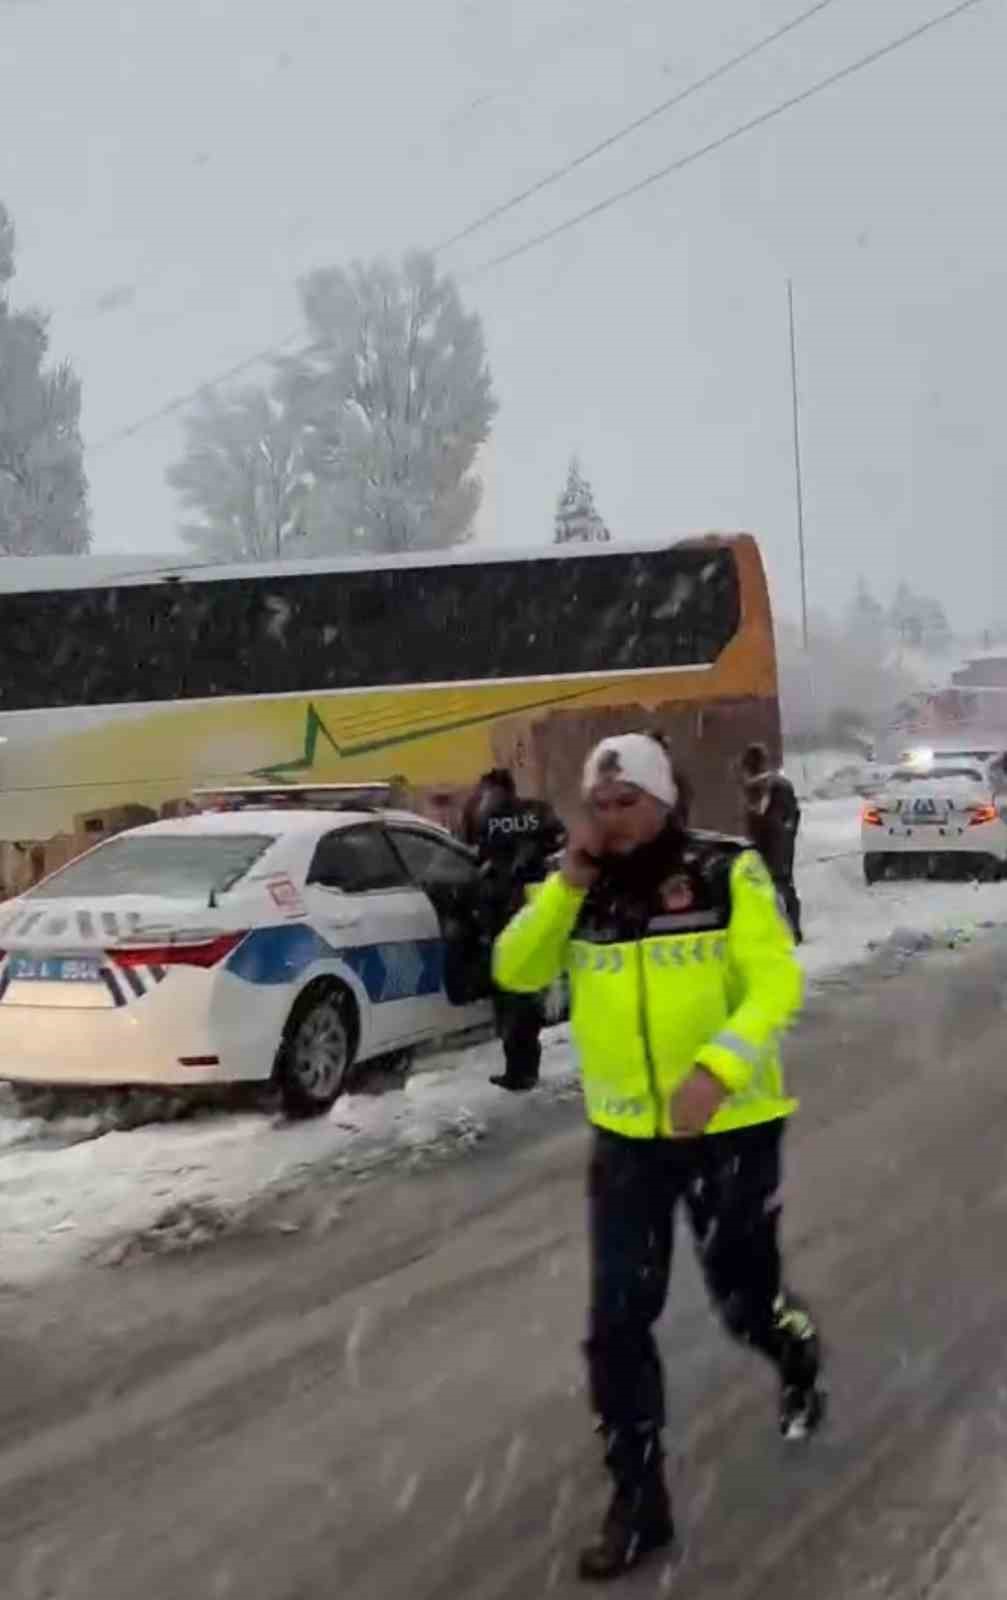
point(283, 935)
point(935, 812)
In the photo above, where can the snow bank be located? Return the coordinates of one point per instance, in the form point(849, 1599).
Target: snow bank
point(174, 1186)
point(833, 775)
point(185, 1181)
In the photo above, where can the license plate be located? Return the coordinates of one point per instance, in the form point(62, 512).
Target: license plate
point(53, 969)
point(926, 811)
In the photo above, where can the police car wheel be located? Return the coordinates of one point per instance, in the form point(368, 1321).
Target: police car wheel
point(874, 867)
point(317, 1053)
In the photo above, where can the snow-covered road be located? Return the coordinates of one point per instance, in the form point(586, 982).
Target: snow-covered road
point(392, 1403)
point(63, 1203)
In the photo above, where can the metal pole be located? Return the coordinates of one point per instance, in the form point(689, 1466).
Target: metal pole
point(797, 465)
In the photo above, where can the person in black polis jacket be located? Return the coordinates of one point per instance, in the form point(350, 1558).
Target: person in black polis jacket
point(514, 839)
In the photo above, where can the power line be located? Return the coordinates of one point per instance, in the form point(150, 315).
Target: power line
point(176, 404)
point(483, 221)
point(677, 99)
point(419, 147)
point(725, 139)
point(506, 256)
point(545, 182)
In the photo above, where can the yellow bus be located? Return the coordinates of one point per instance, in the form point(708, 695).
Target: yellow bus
point(117, 698)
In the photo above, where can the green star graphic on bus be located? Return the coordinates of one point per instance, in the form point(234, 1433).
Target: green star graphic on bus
point(315, 730)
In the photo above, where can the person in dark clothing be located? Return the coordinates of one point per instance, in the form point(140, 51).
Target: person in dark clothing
point(772, 818)
point(684, 976)
point(514, 839)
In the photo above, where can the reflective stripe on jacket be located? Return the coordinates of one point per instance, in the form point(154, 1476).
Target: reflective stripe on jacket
point(646, 1010)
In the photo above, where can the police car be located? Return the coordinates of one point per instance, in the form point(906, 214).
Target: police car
point(285, 934)
point(936, 810)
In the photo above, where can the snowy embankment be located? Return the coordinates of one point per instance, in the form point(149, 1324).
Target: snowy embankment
point(174, 1185)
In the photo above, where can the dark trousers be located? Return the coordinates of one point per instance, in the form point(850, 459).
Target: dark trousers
point(518, 1023)
point(729, 1184)
point(791, 904)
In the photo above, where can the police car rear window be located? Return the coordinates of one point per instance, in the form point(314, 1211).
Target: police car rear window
point(172, 867)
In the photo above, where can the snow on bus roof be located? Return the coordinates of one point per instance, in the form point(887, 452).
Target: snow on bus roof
point(25, 574)
point(35, 574)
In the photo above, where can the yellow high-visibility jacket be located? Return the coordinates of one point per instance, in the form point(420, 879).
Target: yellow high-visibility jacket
point(693, 967)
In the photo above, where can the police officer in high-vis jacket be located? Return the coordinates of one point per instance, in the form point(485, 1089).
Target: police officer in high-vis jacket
point(683, 976)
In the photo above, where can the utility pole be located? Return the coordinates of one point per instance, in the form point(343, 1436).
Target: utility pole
point(798, 480)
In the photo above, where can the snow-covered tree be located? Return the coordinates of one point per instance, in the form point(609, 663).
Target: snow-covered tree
point(835, 686)
point(43, 488)
point(919, 622)
point(7, 243)
point(394, 399)
point(866, 622)
point(242, 478)
point(903, 616)
point(577, 520)
point(934, 626)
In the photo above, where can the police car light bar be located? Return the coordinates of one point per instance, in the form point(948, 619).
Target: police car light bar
point(297, 796)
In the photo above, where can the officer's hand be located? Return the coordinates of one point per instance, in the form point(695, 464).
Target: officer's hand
point(580, 865)
point(695, 1101)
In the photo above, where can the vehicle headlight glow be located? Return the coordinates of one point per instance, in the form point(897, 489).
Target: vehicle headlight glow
point(920, 757)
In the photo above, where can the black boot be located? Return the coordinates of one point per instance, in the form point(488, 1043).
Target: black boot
point(638, 1519)
point(520, 1071)
point(803, 1395)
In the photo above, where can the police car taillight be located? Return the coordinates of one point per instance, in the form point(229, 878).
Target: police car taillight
point(202, 953)
point(871, 817)
point(981, 814)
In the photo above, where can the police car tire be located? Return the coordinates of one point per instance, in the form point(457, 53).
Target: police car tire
point(325, 1012)
point(874, 867)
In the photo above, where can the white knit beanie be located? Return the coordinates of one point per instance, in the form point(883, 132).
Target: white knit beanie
point(632, 758)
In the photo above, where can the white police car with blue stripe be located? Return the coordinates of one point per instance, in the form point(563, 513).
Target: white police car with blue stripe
point(270, 936)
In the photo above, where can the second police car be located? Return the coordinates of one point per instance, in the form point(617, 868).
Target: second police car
point(936, 809)
point(281, 936)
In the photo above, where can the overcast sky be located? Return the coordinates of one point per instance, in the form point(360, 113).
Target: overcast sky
point(174, 165)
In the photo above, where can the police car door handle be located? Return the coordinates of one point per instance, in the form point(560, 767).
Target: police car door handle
point(344, 919)
point(331, 908)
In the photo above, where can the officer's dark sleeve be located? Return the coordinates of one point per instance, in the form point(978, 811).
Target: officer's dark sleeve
point(554, 831)
point(790, 808)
